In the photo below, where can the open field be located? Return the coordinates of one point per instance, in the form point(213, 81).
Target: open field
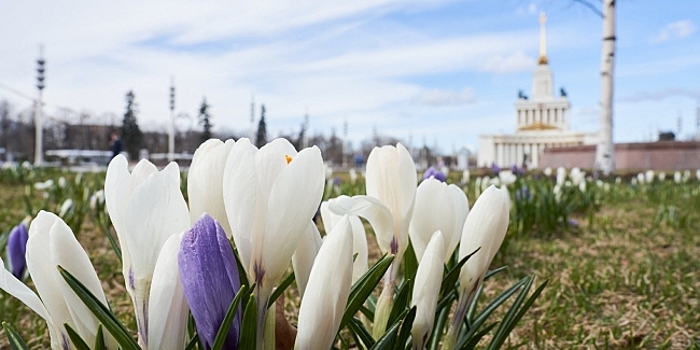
point(622, 268)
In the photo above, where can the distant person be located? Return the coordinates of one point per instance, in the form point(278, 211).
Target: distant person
point(116, 144)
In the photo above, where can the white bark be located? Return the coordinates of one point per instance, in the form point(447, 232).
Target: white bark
point(605, 157)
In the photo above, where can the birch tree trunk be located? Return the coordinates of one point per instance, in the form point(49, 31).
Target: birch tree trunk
point(605, 152)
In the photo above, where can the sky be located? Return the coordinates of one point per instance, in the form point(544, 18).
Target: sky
point(438, 73)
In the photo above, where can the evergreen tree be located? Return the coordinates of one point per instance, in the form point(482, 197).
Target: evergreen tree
point(261, 136)
point(205, 119)
point(132, 137)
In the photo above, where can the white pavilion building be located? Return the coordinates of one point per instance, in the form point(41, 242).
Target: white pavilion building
point(541, 121)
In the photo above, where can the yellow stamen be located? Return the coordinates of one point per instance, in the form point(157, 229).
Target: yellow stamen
point(288, 158)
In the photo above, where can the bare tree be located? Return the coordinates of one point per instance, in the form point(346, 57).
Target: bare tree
point(605, 152)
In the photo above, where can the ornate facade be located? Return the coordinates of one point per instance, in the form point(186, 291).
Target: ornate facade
point(541, 121)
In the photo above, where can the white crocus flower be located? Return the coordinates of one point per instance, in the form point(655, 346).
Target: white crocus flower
point(547, 171)
point(359, 237)
point(146, 208)
point(641, 179)
point(649, 176)
point(485, 182)
point(353, 175)
point(65, 207)
point(426, 289)
point(484, 230)
point(168, 311)
point(52, 243)
point(686, 175)
point(561, 176)
point(304, 255)
point(327, 292)
point(391, 179)
point(41, 186)
point(270, 195)
point(697, 174)
point(439, 207)
point(677, 177)
point(205, 182)
point(507, 177)
point(662, 176)
point(465, 177)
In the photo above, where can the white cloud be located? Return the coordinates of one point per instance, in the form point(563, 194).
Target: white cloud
point(675, 30)
point(440, 97)
point(661, 94)
point(511, 63)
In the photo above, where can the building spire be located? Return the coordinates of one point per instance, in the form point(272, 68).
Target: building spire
point(543, 40)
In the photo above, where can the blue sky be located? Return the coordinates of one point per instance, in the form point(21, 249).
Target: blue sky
point(439, 72)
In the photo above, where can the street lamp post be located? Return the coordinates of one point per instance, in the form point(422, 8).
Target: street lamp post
point(38, 112)
point(171, 125)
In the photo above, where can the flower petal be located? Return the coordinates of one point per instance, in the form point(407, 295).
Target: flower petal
point(434, 211)
point(209, 276)
point(205, 180)
point(69, 254)
point(426, 290)
point(485, 227)
point(301, 183)
point(327, 292)
point(167, 327)
point(373, 211)
point(304, 255)
point(241, 198)
point(43, 271)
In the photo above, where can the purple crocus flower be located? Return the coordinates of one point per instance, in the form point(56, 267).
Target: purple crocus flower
point(336, 181)
point(495, 169)
point(432, 172)
point(210, 280)
point(17, 248)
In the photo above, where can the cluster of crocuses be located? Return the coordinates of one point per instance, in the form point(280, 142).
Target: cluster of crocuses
point(179, 259)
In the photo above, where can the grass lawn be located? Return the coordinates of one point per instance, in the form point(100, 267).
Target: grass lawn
point(626, 279)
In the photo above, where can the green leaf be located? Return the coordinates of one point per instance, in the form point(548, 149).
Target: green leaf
point(103, 314)
point(228, 319)
point(363, 288)
point(360, 333)
point(448, 282)
point(367, 312)
point(493, 272)
point(14, 338)
point(401, 301)
point(75, 338)
point(112, 241)
point(242, 275)
point(99, 338)
point(471, 344)
point(510, 319)
point(280, 289)
point(437, 329)
point(387, 340)
point(249, 325)
point(192, 343)
point(410, 262)
point(495, 303)
point(406, 326)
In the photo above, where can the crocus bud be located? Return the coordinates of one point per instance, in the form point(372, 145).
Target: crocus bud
point(17, 249)
point(484, 230)
point(426, 290)
point(438, 207)
point(327, 292)
point(210, 279)
point(205, 181)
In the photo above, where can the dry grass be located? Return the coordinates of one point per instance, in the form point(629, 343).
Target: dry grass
point(622, 283)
